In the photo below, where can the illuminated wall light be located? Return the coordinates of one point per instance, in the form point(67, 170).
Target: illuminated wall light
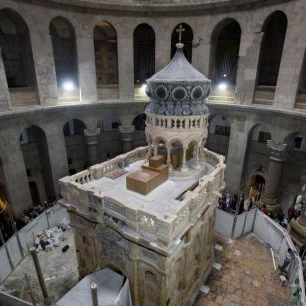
point(222, 86)
point(68, 86)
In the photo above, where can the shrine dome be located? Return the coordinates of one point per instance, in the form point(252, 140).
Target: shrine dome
point(178, 89)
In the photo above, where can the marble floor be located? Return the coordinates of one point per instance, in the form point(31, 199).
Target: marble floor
point(246, 277)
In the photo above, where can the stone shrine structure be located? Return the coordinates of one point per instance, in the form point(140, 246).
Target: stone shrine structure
point(162, 241)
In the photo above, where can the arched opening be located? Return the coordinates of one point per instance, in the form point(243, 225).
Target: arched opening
point(65, 58)
point(139, 138)
point(176, 155)
point(301, 97)
point(271, 49)
point(187, 38)
point(293, 168)
point(256, 186)
point(257, 158)
point(6, 217)
point(75, 145)
point(219, 135)
point(225, 44)
point(144, 58)
point(151, 292)
point(106, 59)
point(34, 147)
point(17, 58)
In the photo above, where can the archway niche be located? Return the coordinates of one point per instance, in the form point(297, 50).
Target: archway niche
point(257, 155)
point(187, 38)
point(75, 145)
point(225, 42)
point(219, 135)
point(139, 138)
point(65, 59)
point(17, 58)
point(34, 147)
point(176, 155)
point(256, 186)
point(34, 193)
point(106, 59)
point(294, 167)
point(271, 49)
point(144, 58)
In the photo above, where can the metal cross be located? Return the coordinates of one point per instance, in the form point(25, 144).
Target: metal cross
point(180, 30)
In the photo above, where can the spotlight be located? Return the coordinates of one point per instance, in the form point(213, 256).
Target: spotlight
point(222, 86)
point(144, 87)
point(68, 86)
point(225, 75)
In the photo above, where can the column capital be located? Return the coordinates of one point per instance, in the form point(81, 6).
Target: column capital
point(91, 135)
point(279, 150)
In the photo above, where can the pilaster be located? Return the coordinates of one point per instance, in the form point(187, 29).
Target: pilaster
point(44, 64)
point(127, 133)
point(86, 62)
point(5, 100)
point(247, 67)
point(277, 157)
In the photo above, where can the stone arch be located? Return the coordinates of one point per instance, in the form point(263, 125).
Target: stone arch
point(65, 54)
point(140, 122)
point(274, 29)
point(106, 60)
point(151, 289)
point(17, 56)
point(144, 53)
point(33, 143)
point(74, 127)
point(187, 39)
point(225, 44)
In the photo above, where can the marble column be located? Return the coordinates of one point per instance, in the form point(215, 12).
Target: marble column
point(126, 64)
point(43, 57)
point(291, 65)
point(184, 164)
point(235, 157)
point(127, 133)
point(247, 67)
point(92, 143)
point(277, 157)
point(5, 100)
point(86, 63)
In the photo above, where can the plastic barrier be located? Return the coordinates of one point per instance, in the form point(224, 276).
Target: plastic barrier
point(234, 226)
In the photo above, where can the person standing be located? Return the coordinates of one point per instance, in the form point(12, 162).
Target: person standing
point(288, 258)
point(264, 209)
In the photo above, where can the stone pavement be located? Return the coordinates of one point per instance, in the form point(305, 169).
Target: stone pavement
point(246, 278)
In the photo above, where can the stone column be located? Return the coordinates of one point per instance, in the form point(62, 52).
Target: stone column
point(5, 100)
point(57, 155)
point(17, 184)
point(126, 64)
point(168, 161)
point(149, 149)
point(277, 157)
point(92, 141)
point(43, 57)
point(291, 65)
point(127, 137)
point(86, 62)
point(235, 157)
point(247, 67)
point(298, 226)
point(184, 166)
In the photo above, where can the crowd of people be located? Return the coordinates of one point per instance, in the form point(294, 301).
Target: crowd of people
point(8, 225)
